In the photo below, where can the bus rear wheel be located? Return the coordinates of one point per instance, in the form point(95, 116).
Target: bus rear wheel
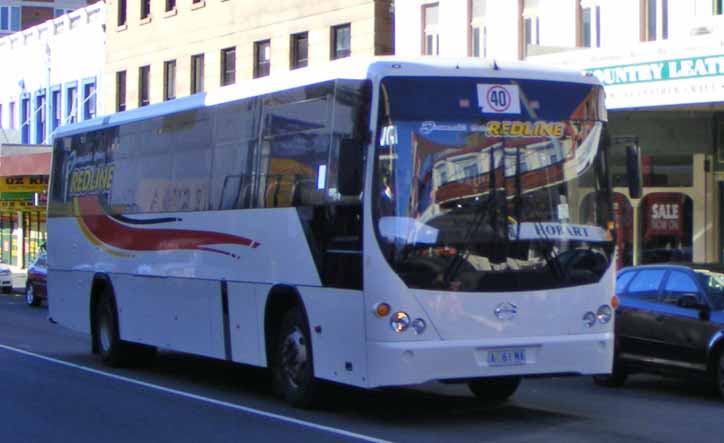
point(106, 333)
point(494, 390)
point(292, 364)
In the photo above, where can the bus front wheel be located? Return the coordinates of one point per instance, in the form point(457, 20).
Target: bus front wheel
point(494, 390)
point(292, 367)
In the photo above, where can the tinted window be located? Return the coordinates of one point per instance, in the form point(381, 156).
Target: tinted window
point(678, 284)
point(646, 284)
point(622, 280)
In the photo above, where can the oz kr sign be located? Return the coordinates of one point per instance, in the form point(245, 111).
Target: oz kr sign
point(24, 183)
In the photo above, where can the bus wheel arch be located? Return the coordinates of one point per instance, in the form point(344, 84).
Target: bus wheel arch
point(289, 347)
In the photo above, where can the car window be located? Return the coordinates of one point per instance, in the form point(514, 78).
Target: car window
point(713, 283)
point(645, 284)
point(622, 280)
point(678, 284)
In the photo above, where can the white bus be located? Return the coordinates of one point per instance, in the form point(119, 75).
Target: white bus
point(379, 222)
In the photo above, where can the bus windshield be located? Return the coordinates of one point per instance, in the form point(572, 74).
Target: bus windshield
point(492, 185)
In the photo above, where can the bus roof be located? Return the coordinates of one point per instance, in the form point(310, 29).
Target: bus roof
point(348, 68)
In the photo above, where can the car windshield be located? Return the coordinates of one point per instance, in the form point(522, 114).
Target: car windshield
point(713, 283)
point(468, 200)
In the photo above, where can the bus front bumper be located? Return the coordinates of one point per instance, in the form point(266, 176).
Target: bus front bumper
point(415, 362)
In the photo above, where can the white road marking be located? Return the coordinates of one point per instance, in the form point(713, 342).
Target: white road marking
point(246, 409)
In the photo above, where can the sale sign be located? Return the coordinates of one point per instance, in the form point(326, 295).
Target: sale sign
point(664, 214)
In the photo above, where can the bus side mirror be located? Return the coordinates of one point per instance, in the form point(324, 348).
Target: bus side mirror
point(633, 171)
point(351, 158)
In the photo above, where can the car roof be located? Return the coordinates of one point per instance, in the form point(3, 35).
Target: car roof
point(681, 266)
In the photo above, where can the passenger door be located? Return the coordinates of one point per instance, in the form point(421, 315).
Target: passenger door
point(636, 315)
point(683, 331)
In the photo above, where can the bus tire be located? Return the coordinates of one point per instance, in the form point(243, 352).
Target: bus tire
point(615, 379)
point(494, 390)
point(112, 350)
point(292, 364)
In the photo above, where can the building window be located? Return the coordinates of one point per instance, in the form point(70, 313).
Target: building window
point(197, 73)
point(228, 66)
point(89, 101)
point(55, 109)
point(71, 105)
point(478, 29)
point(25, 121)
point(144, 78)
point(40, 118)
point(341, 41)
point(300, 50)
point(654, 20)
point(169, 80)
point(122, 12)
point(11, 117)
point(61, 12)
point(120, 91)
point(430, 31)
point(262, 58)
point(145, 9)
point(589, 24)
point(170, 5)
point(531, 26)
point(10, 18)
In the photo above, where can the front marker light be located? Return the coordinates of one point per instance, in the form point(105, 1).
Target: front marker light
point(604, 314)
point(399, 321)
point(418, 325)
point(589, 319)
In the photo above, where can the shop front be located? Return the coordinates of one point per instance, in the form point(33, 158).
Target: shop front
point(669, 97)
point(23, 198)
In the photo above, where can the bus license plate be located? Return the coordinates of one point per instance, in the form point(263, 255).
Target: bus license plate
point(506, 357)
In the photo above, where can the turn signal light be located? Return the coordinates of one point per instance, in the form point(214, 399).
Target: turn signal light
point(382, 309)
point(614, 302)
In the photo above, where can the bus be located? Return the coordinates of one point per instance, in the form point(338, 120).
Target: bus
point(378, 222)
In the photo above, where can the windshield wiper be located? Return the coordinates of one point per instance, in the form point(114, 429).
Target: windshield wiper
point(478, 216)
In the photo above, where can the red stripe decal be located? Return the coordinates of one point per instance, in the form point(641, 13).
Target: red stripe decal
point(121, 236)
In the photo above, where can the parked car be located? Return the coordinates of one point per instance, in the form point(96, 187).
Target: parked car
point(35, 288)
point(6, 278)
point(670, 321)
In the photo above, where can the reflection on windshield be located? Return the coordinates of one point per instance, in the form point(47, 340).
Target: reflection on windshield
point(474, 204)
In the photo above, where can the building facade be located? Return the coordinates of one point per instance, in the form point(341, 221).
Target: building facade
point(55, 70)
point(662, 66)
point(19, 15)
point(162, 49)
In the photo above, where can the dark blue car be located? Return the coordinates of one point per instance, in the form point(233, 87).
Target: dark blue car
point(670, 321)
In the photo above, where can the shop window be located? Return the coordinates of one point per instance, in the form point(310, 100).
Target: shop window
point(666, 228)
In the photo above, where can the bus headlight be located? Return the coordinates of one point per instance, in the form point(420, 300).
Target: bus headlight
point(604, 314)
point(589, 319)
point(399, 321)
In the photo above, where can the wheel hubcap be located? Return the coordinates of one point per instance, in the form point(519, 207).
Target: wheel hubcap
point(294, 358)
point(29, 296)
point(105, 333)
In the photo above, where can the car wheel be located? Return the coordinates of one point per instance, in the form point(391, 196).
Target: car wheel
point(615, 379)
point(31, 298)
point(719, 375)
point(494, 390)
point(292, 365)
